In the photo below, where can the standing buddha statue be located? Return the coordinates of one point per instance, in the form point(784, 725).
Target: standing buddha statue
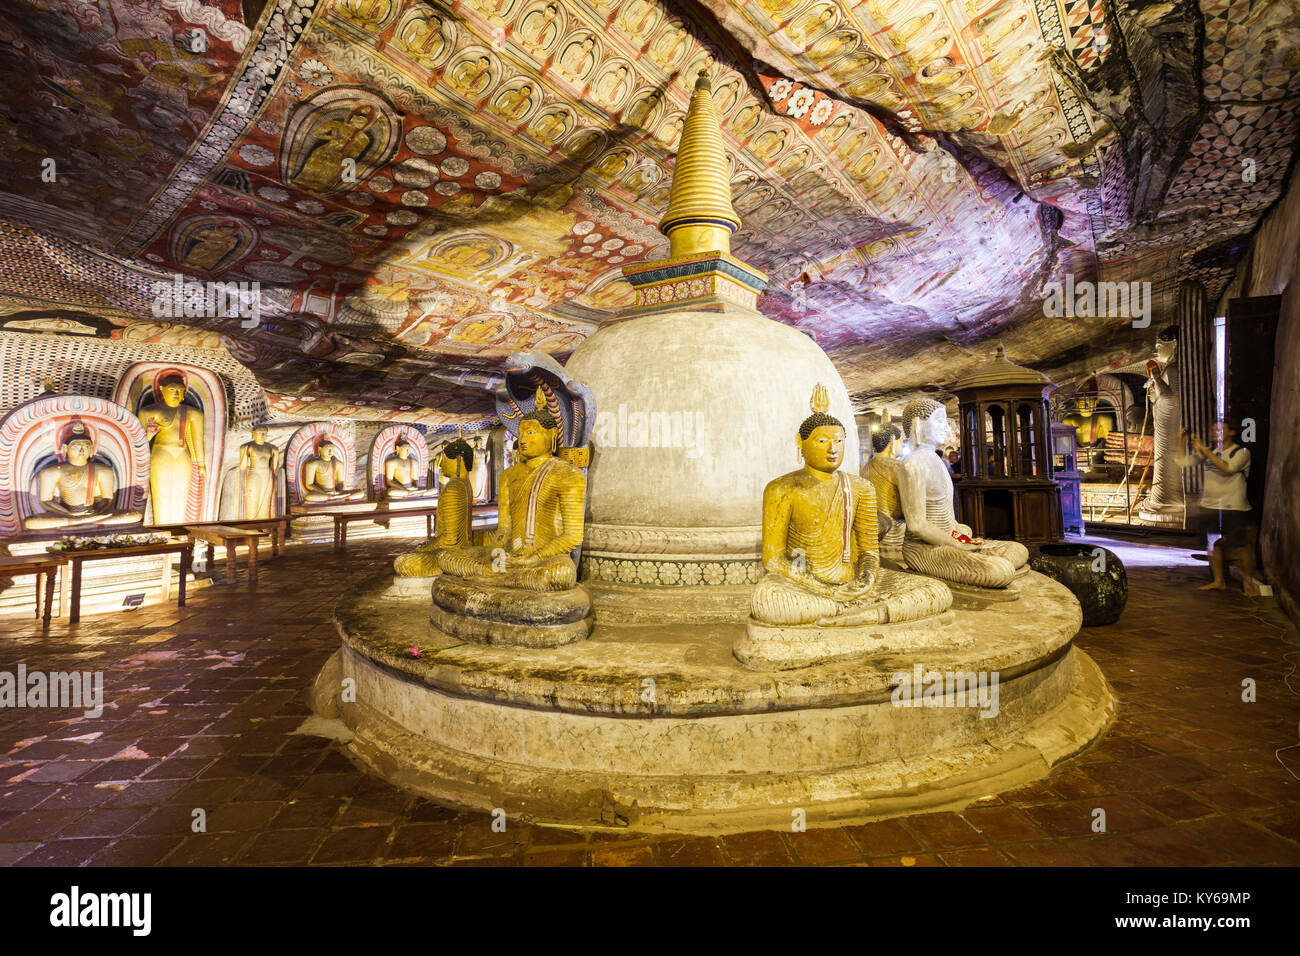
point(1166, 498)
point(176, 456)
point(259, 461)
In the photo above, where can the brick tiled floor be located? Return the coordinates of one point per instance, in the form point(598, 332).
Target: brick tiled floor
point(203, 702)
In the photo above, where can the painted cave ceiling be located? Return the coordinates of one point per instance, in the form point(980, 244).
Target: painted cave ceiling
point(422, 188)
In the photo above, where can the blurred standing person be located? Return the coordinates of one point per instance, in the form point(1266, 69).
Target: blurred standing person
point(1224, 509)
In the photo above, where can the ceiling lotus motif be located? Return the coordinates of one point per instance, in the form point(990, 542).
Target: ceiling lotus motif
point(421, 189)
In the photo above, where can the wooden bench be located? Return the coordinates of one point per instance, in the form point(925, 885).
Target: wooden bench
point(277, 527)
point(342, 520)
point(183, 546)
point(36, 564)
point(230, 537)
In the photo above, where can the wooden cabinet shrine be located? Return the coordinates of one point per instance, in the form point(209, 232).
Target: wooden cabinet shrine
point(1007, 488)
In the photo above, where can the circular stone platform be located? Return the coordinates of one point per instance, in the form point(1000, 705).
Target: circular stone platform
point(658, 727)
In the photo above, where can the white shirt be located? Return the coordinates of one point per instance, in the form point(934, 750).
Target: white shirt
point(1224, 492)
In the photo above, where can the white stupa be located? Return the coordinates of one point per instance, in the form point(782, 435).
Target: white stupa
point(699, 395)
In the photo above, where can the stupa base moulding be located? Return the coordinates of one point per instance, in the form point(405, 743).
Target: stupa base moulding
point(658, 727)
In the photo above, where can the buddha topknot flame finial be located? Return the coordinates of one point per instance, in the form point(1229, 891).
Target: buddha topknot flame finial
point(821, 400)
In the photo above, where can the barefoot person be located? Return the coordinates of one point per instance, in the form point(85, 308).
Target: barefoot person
point(1224, 509)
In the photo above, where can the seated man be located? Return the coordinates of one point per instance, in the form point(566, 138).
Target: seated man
point(400, 479)
point(820, 548)
point(323, 478)
point(935, 544)
point(540, 506)
point(453, 531)
point(76, 491)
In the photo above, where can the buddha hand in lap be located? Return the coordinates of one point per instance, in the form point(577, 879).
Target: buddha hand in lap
point(820, 548)
point(936, 544)
point(323, 478)
point(453, 531)
point(76, 490)
point(540, 506)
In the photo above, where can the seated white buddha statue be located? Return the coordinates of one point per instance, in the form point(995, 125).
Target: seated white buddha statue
point(76, 490)
point(820, 548)
point(935, 543)
point(323, 479)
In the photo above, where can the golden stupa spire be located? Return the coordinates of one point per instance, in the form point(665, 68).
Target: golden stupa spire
point(700, 217)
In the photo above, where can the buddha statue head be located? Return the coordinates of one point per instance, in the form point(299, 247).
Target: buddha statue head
point(402, 449)
point(1167, 344)
point(76, 443)
point(925, 422)
point(821, 436)
point(326, 450)
point(171, 389)
point(539, 432)
point(457, 458)
point(883, 439)
point(260, 434)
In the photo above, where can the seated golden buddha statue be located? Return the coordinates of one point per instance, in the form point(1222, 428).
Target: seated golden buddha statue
point(540, 506)
point(882, 472)
point(820, 549)
point(323, 478)
point(453, 530)
point(522, 589)
point(76, 490)
point(935, 543)
point(400, 479)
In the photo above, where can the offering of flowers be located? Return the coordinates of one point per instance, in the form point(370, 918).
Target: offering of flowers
point(87, 543)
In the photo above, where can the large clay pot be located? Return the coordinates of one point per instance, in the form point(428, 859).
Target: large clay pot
point(1093, 574)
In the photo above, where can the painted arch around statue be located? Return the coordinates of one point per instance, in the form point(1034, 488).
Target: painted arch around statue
point(29, 442)
point(204, 391)
point(303, 445)
point(385, 444)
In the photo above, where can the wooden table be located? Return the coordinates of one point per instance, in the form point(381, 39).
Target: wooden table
point(277, 527)
point(183, 546)
point(230, 537)
point(37, 564)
